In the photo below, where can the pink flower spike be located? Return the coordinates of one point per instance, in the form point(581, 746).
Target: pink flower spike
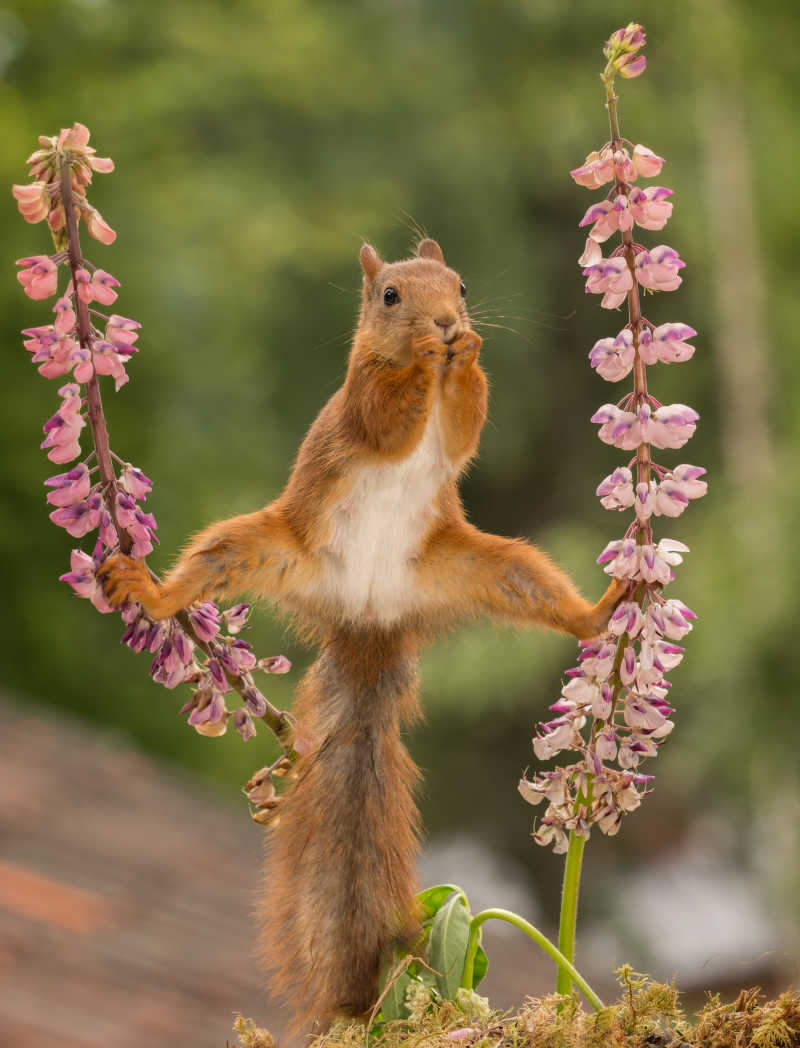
point(647, 163)
point(103, 284)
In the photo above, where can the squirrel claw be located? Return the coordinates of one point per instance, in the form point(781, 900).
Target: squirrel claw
point(125, 579)
point(425, 347)
point(465, 349)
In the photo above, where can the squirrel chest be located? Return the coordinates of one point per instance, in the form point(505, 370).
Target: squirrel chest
point(378, 529)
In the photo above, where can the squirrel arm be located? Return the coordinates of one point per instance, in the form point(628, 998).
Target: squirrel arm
point(255, 553)
point(390, 402)
point(469, 573)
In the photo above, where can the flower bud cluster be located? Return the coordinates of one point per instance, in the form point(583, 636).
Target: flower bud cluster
point(202, 647)
point(614, 710)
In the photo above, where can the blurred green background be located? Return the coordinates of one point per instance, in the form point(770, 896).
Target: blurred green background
point(256, 144)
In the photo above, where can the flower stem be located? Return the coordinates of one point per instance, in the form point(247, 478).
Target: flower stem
point(565, 966)
point(569, 907)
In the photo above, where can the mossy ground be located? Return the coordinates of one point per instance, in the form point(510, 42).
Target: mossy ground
point(647, 1015)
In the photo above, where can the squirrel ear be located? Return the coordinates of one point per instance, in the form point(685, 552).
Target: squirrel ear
point(428, 248)
point(370, 261)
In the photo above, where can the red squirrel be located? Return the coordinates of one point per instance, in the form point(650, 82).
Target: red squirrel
point(369, 551)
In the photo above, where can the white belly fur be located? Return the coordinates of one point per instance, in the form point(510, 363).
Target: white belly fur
point(377, 530)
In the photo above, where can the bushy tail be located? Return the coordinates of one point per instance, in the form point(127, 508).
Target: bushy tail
point(340, 874)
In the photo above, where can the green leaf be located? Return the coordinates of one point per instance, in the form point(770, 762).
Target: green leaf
point(394, 1004)
point(448, 948)
point(480, 966)
point(431, 899)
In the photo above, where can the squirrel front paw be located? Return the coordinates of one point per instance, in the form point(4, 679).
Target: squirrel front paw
point(126, 579)
point(464, 351)
point(428, 348)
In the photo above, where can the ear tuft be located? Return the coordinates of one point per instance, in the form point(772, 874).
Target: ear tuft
point(428, 248)
point(370, 261)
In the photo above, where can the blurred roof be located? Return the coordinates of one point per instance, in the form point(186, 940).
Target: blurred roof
point(124, 896)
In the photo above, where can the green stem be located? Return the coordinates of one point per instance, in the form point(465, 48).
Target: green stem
point(569, 907)
point(564, 964)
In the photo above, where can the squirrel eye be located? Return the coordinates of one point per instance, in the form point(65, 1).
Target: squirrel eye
point(463, 289)
point(390, 296)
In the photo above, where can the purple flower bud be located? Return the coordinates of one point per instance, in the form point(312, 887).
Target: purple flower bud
point(236, 617)
point(244, 724)
point(255, 701)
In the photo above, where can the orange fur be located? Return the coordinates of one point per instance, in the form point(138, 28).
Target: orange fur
point(369, 551)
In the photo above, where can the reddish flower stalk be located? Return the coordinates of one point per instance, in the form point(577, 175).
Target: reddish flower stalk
point(62, 170)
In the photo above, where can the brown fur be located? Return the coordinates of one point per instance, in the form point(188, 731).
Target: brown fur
point(340, 878)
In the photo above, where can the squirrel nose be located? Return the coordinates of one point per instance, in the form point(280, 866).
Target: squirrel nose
point(447, 324)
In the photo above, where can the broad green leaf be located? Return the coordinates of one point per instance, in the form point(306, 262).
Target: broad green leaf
point(448, 949)
point(479, 967)
point(432, 898)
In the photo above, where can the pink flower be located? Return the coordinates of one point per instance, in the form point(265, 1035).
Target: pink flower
point(645, 500)
point(62, 438)
point(621, 559)
point(103, 285)
point(672, 425)
point(596, 170)
point(608, 217)
point(65, 315)
point(656, 562)
point(108, 362)
point(98, 227)
point(204, 617)
point(69, 487)
point(81, 361)
point(121, 329)
point(616, 491)
point(84, 287)
point(629, 67)
point(611, 277)
point(687, 479)
point(670, 500)
point(658, 268)
point(79, 518)
point(646, 162)
point(136, 483)
point(275, 664)
point(39, 278)
point(83, 579)
point(650, 208)
point(667, 343)
point(627, 618)
point(618, 427)
point(236, 617)
point(33, 201)
point(612, 358)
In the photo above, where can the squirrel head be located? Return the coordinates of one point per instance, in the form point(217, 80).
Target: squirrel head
point(402, 300)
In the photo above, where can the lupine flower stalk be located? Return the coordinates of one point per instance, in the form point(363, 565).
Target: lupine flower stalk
point(103, 494)
point(615, 709)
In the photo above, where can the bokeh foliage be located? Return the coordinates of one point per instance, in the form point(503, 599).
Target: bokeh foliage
point(256, 145)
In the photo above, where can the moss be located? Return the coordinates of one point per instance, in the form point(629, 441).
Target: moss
point(647, 1015)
